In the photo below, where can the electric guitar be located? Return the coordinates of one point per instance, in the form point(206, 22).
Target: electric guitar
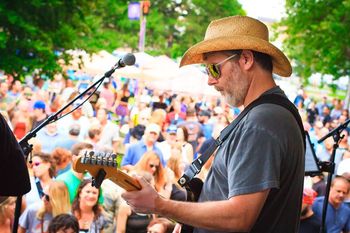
point(104, 166)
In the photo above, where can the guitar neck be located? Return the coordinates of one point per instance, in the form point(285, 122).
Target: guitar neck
point(101, 168)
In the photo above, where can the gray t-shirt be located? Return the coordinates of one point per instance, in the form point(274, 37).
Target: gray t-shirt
point(31, 223)
point(264, 151)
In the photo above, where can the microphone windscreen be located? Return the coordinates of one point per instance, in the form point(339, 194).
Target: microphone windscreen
point(129, 59)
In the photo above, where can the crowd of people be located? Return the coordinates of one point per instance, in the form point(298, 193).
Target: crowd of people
point(156, 135)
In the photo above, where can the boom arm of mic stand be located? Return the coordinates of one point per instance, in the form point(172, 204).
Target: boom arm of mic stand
point(27, 148)
point(329, 167)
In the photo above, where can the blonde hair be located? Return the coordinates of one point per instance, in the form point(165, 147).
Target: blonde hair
point(3, 208)
point(59, 200)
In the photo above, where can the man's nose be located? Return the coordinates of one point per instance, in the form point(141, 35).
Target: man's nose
point(211, 80)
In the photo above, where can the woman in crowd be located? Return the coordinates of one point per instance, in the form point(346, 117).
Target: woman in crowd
point(158, 117)
point(86, 208)
point(176, 166)
point(44, 169)
point(7, 210)
point(129, 221)
point(186, 147)
point(36, 217)
point(150, 162)
point(63, 159)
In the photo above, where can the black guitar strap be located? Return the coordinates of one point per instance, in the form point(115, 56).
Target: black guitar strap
point(198, 163)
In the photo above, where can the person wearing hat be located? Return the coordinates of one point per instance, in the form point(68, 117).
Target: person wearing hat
point(39, 113)
point(148, 143)
point(255, 183)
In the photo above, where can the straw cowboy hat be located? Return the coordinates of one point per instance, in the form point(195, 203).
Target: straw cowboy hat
point(238, 32)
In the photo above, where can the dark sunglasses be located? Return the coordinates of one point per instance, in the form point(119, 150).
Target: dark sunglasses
point(47, 197)
point(153, 165)
point(214, 69)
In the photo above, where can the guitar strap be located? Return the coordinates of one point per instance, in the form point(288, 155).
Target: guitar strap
point(198, 163)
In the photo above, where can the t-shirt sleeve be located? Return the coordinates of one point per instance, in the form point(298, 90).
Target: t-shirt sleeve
point(257, 159)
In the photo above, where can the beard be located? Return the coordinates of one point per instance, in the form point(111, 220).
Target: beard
point(237, 89)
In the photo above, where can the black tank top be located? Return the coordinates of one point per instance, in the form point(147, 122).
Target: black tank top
point(137, 223)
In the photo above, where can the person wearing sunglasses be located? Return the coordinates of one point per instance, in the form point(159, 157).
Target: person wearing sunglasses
point(54, 201)
point(255, 183)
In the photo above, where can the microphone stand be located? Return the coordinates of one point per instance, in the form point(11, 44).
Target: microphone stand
point(329, 166)
point(27, 148)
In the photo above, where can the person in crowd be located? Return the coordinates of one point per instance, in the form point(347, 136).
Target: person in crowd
point(39, 113)
point(311, 113)
point(75, 118)
point(158, 116)
point(337, 109)
point(169, 143)
point(44, 171)
point(71, 139)
point(245, 185)
point(86, 208)
point(109, 136)
point(160, 103)
point(151, 162)
point(338, 214)
point(323, 103)
point(63, 160)
point(176, 116)
point(71, 178)
point(122, 108)
point(135, 151)
point(36, 217)
point(49, 136)
point(131, 221)
point(21, 119)
point(309, 223)
point(7, 211)
point(176, 165)
point(344, 165)
point(160, 225)
point(108, 94)
point(94, 135)
point(194, 128)
point(204, 119)
point(186, 148)
point(325, 116)
point(64, 223)
point(319, 185)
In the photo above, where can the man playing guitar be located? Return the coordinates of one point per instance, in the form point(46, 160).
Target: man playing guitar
point(255, 183)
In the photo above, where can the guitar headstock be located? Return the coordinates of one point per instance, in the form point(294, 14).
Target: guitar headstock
point(104, 166)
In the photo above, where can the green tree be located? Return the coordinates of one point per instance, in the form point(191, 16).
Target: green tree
point(35, 33)
point(318, 37)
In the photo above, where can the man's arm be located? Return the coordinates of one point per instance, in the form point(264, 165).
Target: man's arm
point(239, 213)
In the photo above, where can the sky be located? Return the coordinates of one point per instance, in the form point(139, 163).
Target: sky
point(264, 9)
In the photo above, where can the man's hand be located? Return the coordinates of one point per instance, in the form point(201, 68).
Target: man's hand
point(144, 200)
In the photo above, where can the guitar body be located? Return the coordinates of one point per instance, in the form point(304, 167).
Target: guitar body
point(193, 188)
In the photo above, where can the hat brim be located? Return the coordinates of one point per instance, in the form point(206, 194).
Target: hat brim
point(194, 54)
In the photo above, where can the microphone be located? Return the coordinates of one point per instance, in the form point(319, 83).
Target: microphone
point(127, 60)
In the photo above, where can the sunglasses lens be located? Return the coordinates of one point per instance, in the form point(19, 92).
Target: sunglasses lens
point(213, 70)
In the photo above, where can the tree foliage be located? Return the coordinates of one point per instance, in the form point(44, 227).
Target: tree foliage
point(35, 33)
point(318, 36)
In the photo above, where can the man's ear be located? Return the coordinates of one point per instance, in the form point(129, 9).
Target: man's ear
point(247, 59)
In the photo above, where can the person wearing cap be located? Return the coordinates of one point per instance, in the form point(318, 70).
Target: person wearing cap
point(148, 143)
point(255, 183)
point(309, 222)
point(39, 113)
